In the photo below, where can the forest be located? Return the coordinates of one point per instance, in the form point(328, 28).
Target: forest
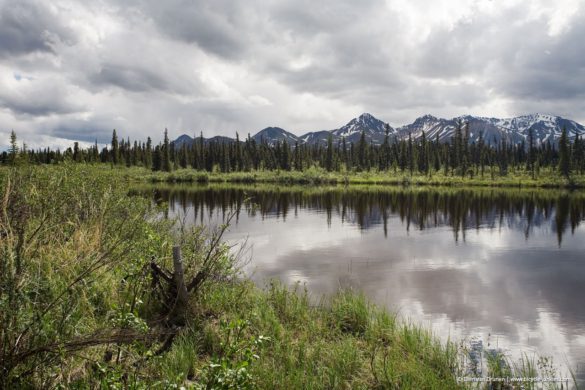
point(423, 156)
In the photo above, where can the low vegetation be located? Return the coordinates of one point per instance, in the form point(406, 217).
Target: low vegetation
point(547, 179)
point(98, 291)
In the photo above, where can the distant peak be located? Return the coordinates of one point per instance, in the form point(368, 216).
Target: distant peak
point(538, 116)
point(184, 138)
point(425, 118)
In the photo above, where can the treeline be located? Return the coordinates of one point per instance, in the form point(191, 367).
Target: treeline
point(459, 156)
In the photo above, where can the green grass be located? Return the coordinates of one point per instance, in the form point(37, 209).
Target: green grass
point(342, 342)
point(519, 177)
point(546, 178)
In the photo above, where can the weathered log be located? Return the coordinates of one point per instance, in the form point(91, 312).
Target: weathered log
point(179, 312)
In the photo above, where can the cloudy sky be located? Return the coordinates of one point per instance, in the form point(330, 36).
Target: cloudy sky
point(75, 70)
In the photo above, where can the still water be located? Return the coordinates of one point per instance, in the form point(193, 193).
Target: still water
point(503, 268)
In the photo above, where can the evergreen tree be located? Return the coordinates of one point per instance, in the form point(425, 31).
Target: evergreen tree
point(423, 159)
point(346, 156)
point(362, 152)
point(166, 154)
point(115, 148)
point(465, 150)
point(504, 157)
point(481, 153)
point(531, 158)
point(410, 152)
point(564, 155)
point(183, 156)
point(76, 152)
point(148, 153)
point(385, 149)
point(578, 154)
point(95, 152)
point(13, 150)
point(329, 158)
point(239, 156)
point(156, 159)
point(285, 156)
point(297, 157)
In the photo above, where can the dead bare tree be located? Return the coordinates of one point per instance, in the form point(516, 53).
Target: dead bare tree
point(178, 286)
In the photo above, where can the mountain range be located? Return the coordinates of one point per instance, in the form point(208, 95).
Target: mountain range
point(545, 128)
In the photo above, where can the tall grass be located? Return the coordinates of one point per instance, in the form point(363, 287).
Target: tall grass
point(67, 242)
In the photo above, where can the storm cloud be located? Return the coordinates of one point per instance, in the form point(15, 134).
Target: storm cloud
point(75, 70)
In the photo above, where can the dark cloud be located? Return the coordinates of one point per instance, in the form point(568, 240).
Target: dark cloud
point(546, 68)
point(133, 79)
point(38, 98)
point(28, 27)
point(214, 26)
point(36, 108)
point(99, 130)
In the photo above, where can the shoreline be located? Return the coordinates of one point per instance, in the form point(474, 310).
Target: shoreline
point(319, 177)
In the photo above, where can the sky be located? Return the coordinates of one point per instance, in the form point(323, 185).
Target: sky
point(75, 70)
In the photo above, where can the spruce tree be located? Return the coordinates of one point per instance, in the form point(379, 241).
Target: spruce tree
point(329, 158)
point(578, 154)
point(410, 153)
point(465, 150)
point(385, 152)
point(481, 153)
point(362, 152)
point(13, 150)
point(564, 155)
point(166, 154)
point(423, 158)
point(76, 152)
point(115, 148)
point(531, 158)
point(148, 153)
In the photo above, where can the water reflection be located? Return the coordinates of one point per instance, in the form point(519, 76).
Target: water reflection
point(504, 266)
point(367, 207)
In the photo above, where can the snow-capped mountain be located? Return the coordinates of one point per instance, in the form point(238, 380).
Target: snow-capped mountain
point(373, 128)
point(544, 127)
point(271, 135)
point(319, 137)
point(493, 130)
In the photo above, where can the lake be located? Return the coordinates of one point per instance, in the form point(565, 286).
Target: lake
point(496, 268)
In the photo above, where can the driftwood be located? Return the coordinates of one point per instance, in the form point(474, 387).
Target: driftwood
point(99, 338)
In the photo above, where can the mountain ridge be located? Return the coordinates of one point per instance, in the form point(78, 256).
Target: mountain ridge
point(515, 130)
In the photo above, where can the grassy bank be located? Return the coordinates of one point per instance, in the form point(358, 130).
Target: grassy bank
point(520, 178)
point(90, 299)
